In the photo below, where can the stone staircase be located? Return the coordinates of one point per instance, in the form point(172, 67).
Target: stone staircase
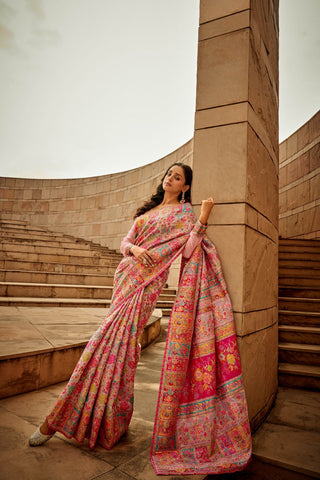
point(299, 313)
point(39, 268)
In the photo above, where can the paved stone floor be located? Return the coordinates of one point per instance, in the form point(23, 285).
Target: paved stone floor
point(64, 459)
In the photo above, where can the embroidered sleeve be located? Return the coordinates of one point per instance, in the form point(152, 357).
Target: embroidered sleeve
point(194, 239)
point(128, 241)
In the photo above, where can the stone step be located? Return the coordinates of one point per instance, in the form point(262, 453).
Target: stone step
point(299, 272)
point(299, 376)
point(56, 258)
point(43, 290)
point(40, 234)
point(298, 249)
point(299, 292)
point(303, 354)
point(299, 281)
point(65, 243)
point(73, 250)
point(4, 222)
point(294, 449)
point(299, 263)
point(52, 347)
point(298, 242)
point(165, 305)
point(26, 276)
point(301, 304)
point(308, 319)
point(299, 334)
point(312, 256)
point(50, 267)
point(25, 236)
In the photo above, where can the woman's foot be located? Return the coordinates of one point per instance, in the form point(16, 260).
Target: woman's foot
point(41, 435)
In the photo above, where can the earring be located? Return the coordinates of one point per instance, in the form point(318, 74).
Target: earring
point(182, 198)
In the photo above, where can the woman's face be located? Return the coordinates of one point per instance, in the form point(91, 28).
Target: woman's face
point(174, 181)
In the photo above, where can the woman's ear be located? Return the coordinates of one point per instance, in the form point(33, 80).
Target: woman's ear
point(185, 188)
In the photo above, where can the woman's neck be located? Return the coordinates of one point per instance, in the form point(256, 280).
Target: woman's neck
point(169, 200)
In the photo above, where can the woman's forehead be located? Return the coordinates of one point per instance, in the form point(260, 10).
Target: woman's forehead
point(176, 169)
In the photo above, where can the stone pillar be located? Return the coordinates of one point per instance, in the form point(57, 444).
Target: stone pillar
point(236, 162)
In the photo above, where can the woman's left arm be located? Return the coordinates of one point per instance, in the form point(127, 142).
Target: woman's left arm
point(199, 229)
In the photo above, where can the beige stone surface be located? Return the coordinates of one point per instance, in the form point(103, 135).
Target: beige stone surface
point(229, 242)
point(260, 265)
point(223, 70)
point(220, 169)
point(262, 179)
point(224, 25)
point(299, 182)
point(259, 361)
point(212, 9)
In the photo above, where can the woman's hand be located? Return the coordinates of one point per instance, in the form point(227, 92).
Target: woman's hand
point(142, 255)
point(206, 207)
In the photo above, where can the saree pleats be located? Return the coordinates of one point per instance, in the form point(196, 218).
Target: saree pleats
point(201, 421)
point(97, 402)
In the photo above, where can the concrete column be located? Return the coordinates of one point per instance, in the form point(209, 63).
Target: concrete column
point(236, 162)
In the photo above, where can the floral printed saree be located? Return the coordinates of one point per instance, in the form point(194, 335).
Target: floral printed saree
point(201, 423)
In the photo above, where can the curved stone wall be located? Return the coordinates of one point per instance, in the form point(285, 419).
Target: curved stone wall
point(299, 182)
point(100, 208)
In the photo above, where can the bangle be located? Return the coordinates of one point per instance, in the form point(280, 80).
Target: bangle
point(128, 249)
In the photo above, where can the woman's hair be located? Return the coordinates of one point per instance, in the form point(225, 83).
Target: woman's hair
point(157, 197)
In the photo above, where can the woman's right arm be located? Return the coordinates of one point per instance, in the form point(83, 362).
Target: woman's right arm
point(128, 241)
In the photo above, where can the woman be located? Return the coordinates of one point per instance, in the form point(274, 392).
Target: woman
point(201, 421)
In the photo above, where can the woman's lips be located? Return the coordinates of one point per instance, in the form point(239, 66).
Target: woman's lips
point(168, 183)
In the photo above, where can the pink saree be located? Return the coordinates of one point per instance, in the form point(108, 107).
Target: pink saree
point(201, 421)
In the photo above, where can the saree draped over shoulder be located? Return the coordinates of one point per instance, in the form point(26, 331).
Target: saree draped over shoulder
point(201, 421)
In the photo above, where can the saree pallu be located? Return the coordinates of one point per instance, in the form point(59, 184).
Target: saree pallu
point(201, 422)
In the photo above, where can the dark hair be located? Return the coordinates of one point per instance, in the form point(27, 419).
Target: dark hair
point(157, 197)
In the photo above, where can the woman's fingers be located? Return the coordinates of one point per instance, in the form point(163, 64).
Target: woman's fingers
point(146, 258)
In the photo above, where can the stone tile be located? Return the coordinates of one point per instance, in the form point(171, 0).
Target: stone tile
point(140, 467)
point(64, 335)
point(314, 126)
point(298, 168)
point(315, 187)
point(260, 264)
point(297, 408)
point(259, 470)
point(252, 322)
point(282, 152)
point(224, 25)
point(292, 145)
point(229, 242)
point(314, 157)
point(221, 164)
point(58, 366)
point(221, 115)
point(301, 453)
point(266, 227)
point(299, 195)
point(261, 194)
point(19, 375)
point(262, 90)
point(212, 10)
point(50, 461)
point(224, 57)
point(115, 474)
point(259, 362)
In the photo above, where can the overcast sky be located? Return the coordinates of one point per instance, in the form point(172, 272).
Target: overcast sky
point(91, 87)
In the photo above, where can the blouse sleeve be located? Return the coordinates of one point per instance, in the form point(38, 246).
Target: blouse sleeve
point(128, 241)
point(194, 239)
